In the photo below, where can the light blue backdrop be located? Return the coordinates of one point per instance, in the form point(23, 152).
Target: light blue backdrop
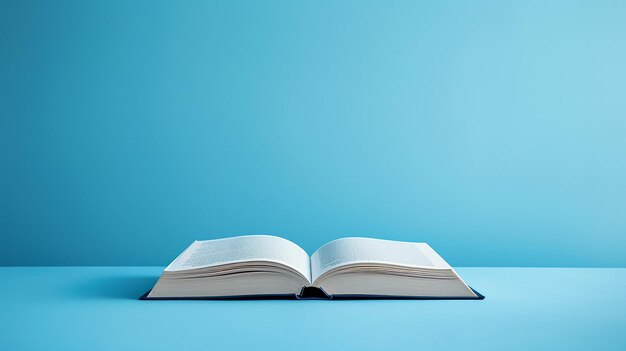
point(495, 131)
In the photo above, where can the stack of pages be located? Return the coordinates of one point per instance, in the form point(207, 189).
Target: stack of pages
point(270, 266)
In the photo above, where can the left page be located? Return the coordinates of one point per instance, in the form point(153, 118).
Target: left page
point(247, 248)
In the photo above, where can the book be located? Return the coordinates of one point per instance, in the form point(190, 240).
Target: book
point(265, 266)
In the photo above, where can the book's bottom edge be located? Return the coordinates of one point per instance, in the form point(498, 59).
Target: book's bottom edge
point(316, 295)
point(234, 297)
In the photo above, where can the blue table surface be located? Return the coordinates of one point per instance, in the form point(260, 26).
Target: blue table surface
point(96, 308)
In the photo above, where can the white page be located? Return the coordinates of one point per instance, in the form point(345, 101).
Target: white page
point(366, 250)
point(243, 249)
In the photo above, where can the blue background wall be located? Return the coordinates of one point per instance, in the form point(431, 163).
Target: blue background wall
point(495, 131)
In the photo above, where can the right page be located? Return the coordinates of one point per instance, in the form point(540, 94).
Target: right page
point(353, 267)
point(347, 251)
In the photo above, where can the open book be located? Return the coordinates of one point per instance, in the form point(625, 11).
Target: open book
point(269, 266)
